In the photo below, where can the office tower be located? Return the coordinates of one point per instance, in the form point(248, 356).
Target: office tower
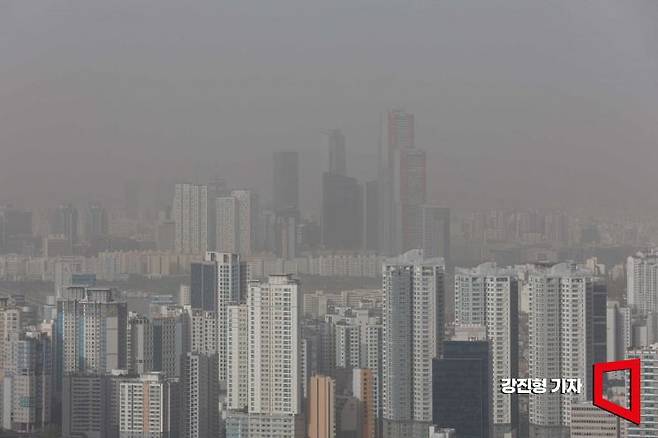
point(203, 285)
point(488, 296)
point(148, 407)
point(462, 389)
point(589, 421)
point(141, 344)
point(563, 310)
point(170, 342)
point(236, 220)
point(363, 389)
point(413, 330)
point(411, 194)
point(27, 382)
point(286, 181)
point(64, 221)
point(96, 222)
point(237, 357)
point(200, 401)
point(642, 282)
point(337, 152)
point(322, 407)
point(618, 331)
point(648, 395)
point(342, 212)
point(91, 331)
point(190, 213)
point(86, 410)
point(435, 231)
point(371, 217)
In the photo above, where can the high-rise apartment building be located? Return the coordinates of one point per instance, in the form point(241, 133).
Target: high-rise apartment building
point(363, 388)
point(619, 332)
point(321, 407)
point(170, 342)
point(413, 319)
point(274, 362)
point(410, 195)
point(462, 388)
point(190, 214)
point(200, 396)
point(203, 285)
point(237, 357)
point(588, 421)
point(285, 188)
point(91, 331)
point(27, 384)
point(488, 296)
point(148, 407)
point(648, 394)
point(564, 325)
point(140, 337)
point(642, 282)
point(236, 217)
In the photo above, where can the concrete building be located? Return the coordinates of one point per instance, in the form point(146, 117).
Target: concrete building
point(619, 331)
point(363, 389)
point(413, 316)
point(441, 432)
point(190, 214)
point(285, 184)
point(200, 396)
point(435, 231)
point(642, 282)
point(649, 396)
point(321, 407)
point(588, 421)
point(566, 311)
point(488, 296)
point(141, 344)
point(237, 357)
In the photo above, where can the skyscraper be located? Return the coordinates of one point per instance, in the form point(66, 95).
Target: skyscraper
point(462, 388)
point(619, 331)
point(562, 334)
point(337, 152)
point(589, 421)
point(435, 231)
point(190, 213)
point(96, 222)
point(203, 285)
point(322, 407)
point(286, 181)
point(227, 224)
point(488, 296)
point(363, 389)
point(274, 362)
point(342, 212)
point(141, 344)
point(410, 194)
point(64, 221)
point(413, 332)
point(237, 357)
point(200, 400)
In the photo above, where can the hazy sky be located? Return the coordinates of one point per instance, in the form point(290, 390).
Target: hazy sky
point(514, 100)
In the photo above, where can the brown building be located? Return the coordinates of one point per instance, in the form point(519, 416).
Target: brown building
point(364, 391)
point(322, 407)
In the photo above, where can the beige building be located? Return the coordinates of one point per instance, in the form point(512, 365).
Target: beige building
point(588, 421)
point(322, 407)
point(363, 389)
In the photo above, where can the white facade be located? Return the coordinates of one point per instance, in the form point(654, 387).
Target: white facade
point(144, 407)
point(274, 311)
point(618, 331)
point(140, 339)
point(412, 335)
point(649, 396)
point(488, 296)
point(190, 211)
point(237, 354)
point(642, 282)
point(227, 224)
point(559, 344)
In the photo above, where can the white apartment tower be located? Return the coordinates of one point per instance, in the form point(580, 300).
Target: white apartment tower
point(147, 407)
point(190, 211)
point(649, 396)
point(237, 355)
point(642, 282)
point(413, 318)
point(561, 326)
point(236, 222)
point(488, 296)
point(92, 329)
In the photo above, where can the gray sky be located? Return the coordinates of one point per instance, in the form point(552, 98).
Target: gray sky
point(553, 102)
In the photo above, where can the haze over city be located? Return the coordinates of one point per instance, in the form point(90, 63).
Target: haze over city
point(560, 98)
